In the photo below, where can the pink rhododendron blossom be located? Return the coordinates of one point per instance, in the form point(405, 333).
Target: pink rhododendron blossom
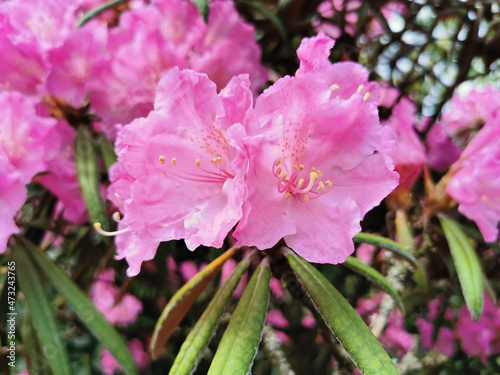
point(12, 197)
point(181, 171)
point(220, 54)
point(23, 135)
point(467, 112)
point(318, 171)
point(475, 180)
point(441, 150)
point(445, 339)
point(409, 154)
point(395, 337)
point(480, 338)
point(278, 320)
point(109, 365)
point(104, 294)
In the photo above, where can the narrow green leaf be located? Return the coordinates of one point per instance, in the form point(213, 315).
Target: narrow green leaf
point(374, 276)
point(181, 302)
point(107, 152)
point(202, 6)
point(199, 337)
point(467, 265)
point(344, 322)
point(95, 12)
point(257, 5)
point(42, 313)
point(240, 342)
point(87, 168)
point(85, 310)
point(385, 243)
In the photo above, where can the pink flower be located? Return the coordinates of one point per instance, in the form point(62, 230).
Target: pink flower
point(220, 54)
point(445, 338)
point(181, 171)
point(475, 182)
point(104, 294)
point(466, 112)
point(23, 135)
point(13, 194)
point(278, 320)
point(318, 170)
point(109, 365)
point(480, 338)
point(441, 150)
point(227, 269)
point(409, 154)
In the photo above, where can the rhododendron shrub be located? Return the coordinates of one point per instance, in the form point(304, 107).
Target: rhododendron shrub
point(233, 187)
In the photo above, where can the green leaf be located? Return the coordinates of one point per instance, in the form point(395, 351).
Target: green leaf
point(95, 12)
point(107, 152)
point(199, 337)
point(240, 342)
point(42, 313)
point(87, 169)
point(181, 302)
point(467, 266)
point(269, 15)
point(385, 243)
point(374, 276)
point(202, 6)
point(344, 322)
point(85, 310)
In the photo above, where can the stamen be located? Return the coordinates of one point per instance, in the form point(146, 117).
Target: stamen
point(321, 186)
point(279, 171)
point(283, 176)
point(334, 87)
point(198, 162)
point(301, 167)
point(367, 96)
point(174, 161)
point(288, 195)
point(301, 183)
point(162, 159)
point(278, 162)
point(306, 198)
point(360, 88)
point(99, 230)
point(328, 184)
point(116, 217)
point(320, 174)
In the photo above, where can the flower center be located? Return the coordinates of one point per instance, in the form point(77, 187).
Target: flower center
point(298, 184)
point(210, 170)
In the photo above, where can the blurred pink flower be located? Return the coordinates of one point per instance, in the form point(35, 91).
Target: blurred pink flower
point(220, 54)
point(104, 294)
point(467, 112)
point(181, 171)
point(475, 180)
point(441, 150)
point(409, 154)
point(319, 170)
point(227, 269)
point(480, 338)
point(109, 365)
point(445, 339)
point(278, 320)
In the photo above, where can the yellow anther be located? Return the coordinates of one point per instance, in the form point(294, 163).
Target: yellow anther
point(313, 169)
point(360, 88)
point(301, 183)
point(162, 159)
point(321, 186)
point(219, 159)
point(287, 195)
point(328, 184)
point(278, 162)
point(301, 167)
point(283, 176)
point(367, 96)
point(334, 87)
point(279, 171)
point(320, 174)
point(174, 161)
point(295, 167)
point(306, 198)
point(198, 162)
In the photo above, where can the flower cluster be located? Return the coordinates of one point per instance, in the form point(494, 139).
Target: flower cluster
point(305, 163)
point(59, 76)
